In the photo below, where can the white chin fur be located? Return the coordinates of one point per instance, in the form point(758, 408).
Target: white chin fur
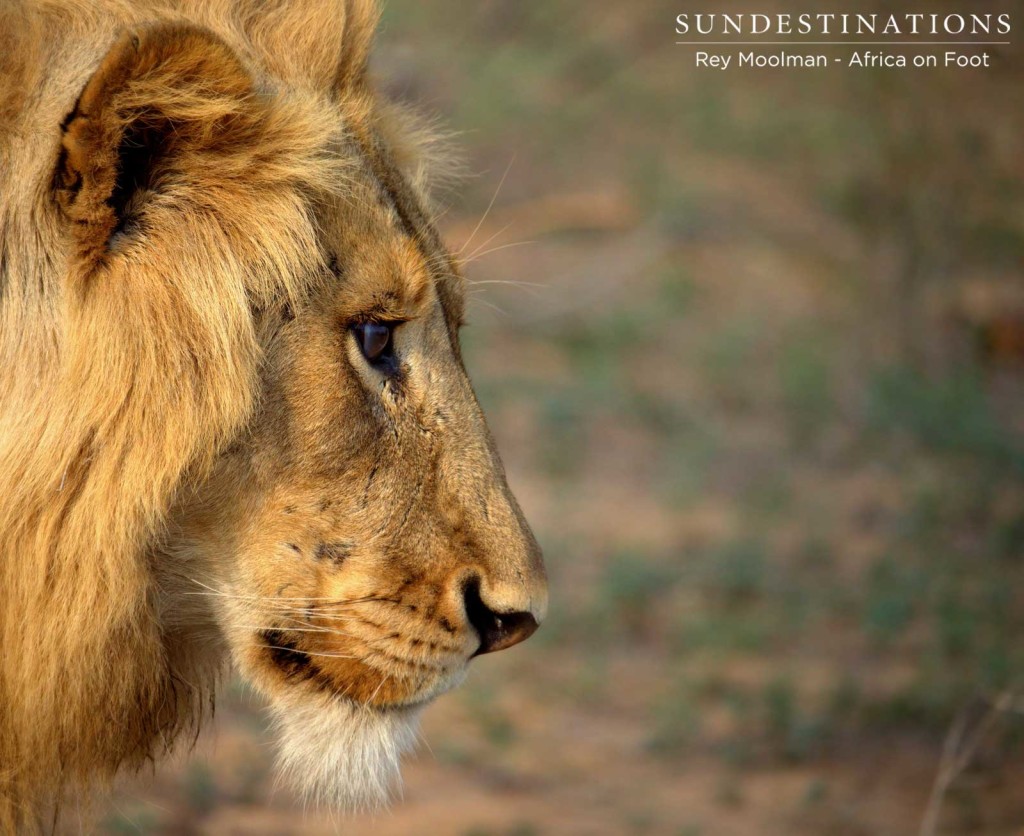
point(340, 754)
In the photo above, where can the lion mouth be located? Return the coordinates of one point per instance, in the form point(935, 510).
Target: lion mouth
point(410, 696)
point(427, 695)
point(364, 674)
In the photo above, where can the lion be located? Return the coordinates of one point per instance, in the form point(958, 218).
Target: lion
point(235, 425)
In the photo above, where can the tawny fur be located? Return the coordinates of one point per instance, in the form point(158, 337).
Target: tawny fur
point(193, 455)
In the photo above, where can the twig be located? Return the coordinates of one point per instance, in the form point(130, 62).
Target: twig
point(957, 753)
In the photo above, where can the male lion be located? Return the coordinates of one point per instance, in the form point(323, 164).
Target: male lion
point(234, 418)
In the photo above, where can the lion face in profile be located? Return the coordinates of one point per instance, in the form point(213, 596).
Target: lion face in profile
point(360, 539)
point(235, 419)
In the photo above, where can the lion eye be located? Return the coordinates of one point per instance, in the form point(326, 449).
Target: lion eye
point(374, 340)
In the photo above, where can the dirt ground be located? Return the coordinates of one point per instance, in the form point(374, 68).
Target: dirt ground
point(747, 344)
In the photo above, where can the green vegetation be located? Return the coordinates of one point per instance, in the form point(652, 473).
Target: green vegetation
point(137, 821)
point(200, 787)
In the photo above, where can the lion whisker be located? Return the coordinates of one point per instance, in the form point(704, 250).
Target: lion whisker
point(487, 211)
point(295, 629)
point(492, 250)
point(476, 282)
point(477, 299)
point(308, 652)
point(462, 261)
point(280, 598)
point(373, 696)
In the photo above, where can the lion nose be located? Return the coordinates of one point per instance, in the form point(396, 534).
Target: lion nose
point(497, 630)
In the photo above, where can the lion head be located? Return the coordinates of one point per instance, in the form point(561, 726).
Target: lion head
point(234, 419)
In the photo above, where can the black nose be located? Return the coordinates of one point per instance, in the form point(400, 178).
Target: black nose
point(497, 630)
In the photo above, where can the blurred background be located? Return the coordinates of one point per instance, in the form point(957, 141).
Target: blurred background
point(752, 344)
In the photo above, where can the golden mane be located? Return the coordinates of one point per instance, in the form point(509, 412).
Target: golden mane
point(90, 461)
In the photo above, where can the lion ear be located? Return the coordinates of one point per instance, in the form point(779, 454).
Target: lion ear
point(321, 43)
point(162, 98)
point(361, 18)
